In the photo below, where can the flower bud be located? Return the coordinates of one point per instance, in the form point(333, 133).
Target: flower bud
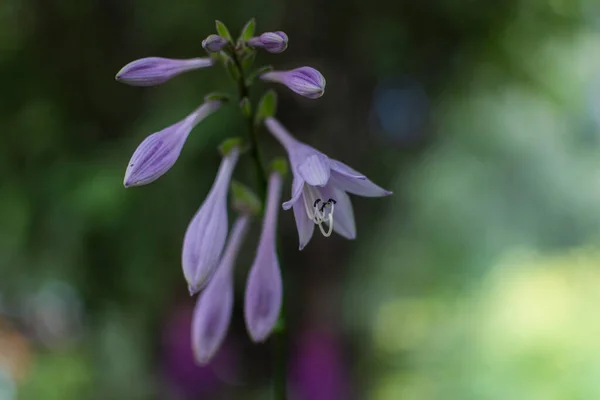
point(264, 287)
point(159, 151)
point(273, 42)
point(305, 81)
point(214, 43)
point(152, 71)
point(205, 236)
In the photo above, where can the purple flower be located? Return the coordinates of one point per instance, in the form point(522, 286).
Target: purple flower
point(305, 81)
point(319, 188)
point(207, 231)
point(273, 42)
point(264, 288)
point(213, 309)
point(214, 43)
point(152, 71)
point(159, 151)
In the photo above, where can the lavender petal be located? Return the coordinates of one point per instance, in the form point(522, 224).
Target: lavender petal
point(361, 187)
point(264, 287)
point(206, 233)
point(152, 71)
point(159, 151)
point(305, 226)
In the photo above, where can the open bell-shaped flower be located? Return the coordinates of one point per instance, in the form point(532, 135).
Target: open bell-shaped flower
point(215, 303)
point(159, 151)
point(273, 42)
point(207, 231)
point(263, 299)
point(305, 81)
point(319, 188)
point(151, 71)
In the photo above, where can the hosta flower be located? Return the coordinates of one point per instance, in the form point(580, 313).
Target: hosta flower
point(305, 81)
point(213, 308)
point(214, 43)
point(319, 188)
point(273, 42)
point(152, 71)
point(264, 288)
point(159, 151)
point(206, 233)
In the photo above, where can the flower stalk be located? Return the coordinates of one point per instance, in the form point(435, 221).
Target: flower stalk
point(278, 337)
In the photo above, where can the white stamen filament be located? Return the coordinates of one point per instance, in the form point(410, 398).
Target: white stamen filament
point(312, 201)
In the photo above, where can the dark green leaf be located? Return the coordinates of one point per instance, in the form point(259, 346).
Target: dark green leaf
point(229, 144)
point(244, 199)
point(246, 107)
point(217, 96)
point(280, 165)
point(248, 60)
point(267, 106)
point(248, 30)
point(223, 31)
point(257, 73)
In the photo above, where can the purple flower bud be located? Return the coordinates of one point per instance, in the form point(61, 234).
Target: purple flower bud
point(207, 231)
point(159, 151)
point(264, 288)
point(152, 71)
point(213, 308)
point(305, 81)
point(273, 42)
point(214, 43)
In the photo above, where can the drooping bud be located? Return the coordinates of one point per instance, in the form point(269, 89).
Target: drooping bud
point(152, 71)
point(305, 81)
point(213, 308)
point(264, 287)
point(207, 231)
point(214, 43)
point(273, 42)
point(159, 151)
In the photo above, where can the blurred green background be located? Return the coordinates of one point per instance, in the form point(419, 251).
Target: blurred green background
point(479, 278)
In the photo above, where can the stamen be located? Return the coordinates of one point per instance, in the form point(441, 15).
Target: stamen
point(319, 213)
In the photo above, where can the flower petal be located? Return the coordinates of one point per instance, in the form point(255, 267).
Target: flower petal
point(152, 71)
point(206, 233)
point(304, 225)
point(360, 187)
point(315, 169)
point(159, 151)
point(343, 169)
point(297, 185)
point(264, 287)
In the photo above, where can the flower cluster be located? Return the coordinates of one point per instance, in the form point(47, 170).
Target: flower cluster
point(319, 189)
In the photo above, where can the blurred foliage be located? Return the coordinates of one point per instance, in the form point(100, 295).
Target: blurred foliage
point(477, 280)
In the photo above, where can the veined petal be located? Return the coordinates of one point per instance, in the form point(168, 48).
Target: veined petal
point(305, 226)
point(343, 169)
point(343, 216)
point(264, 287)
point(152, 71)
point(213, 308)
point(315, 169)
point(360, 187)
point(297, 185)
point(206, 233)
point(159, 151)
point(305, 81)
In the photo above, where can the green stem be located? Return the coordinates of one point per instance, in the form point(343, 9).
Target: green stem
point(244, 90)
point(278, 337)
